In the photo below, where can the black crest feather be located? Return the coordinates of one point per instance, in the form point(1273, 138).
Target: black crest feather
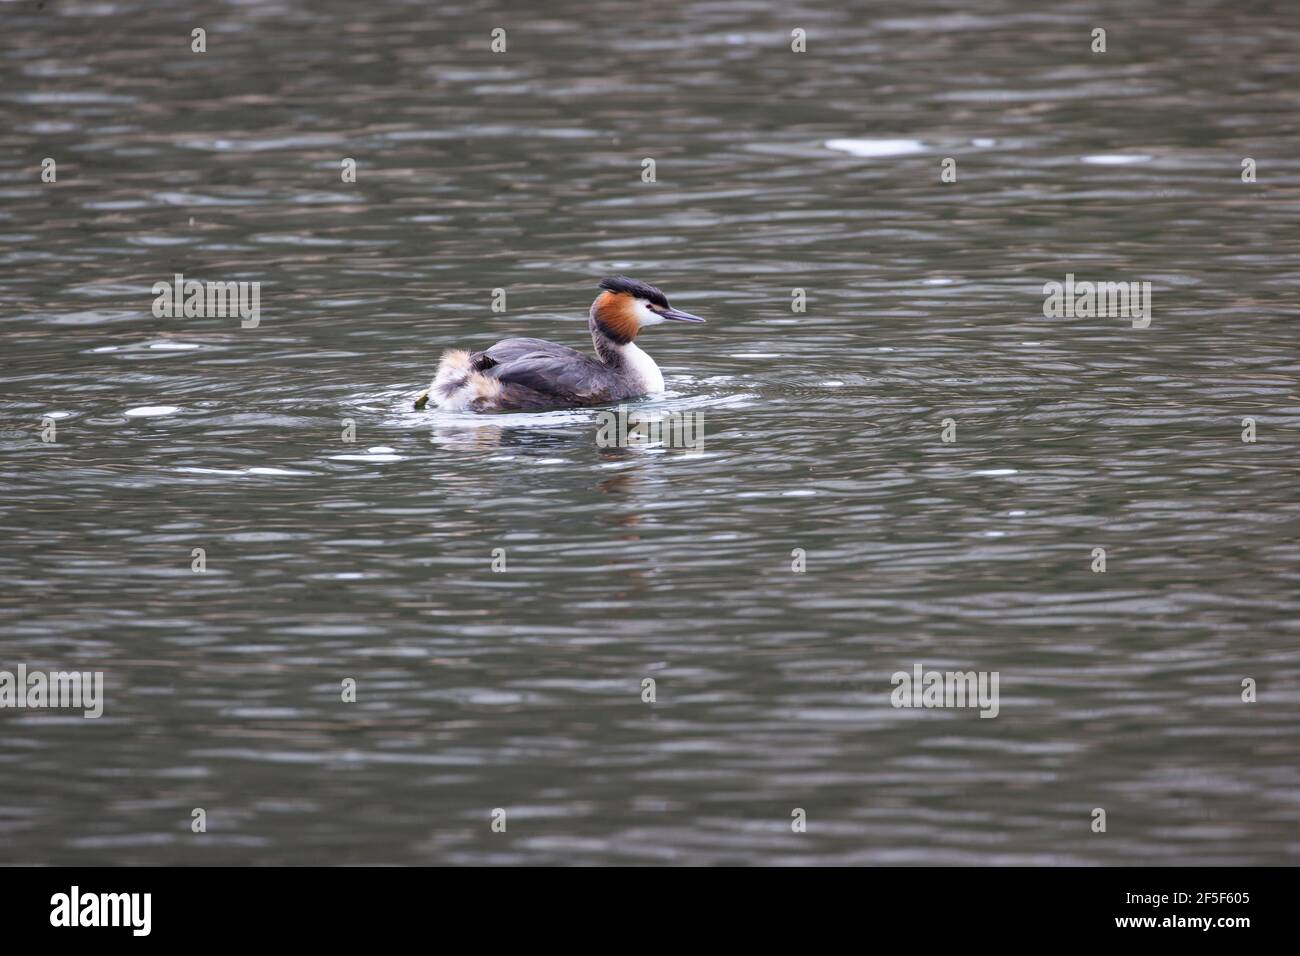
point(633, 287)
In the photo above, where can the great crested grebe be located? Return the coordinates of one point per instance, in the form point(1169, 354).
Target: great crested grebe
point(518, 374)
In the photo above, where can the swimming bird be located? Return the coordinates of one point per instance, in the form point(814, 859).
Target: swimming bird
point(519, 374)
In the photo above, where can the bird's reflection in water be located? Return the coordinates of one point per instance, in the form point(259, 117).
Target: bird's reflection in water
point(621, 473)
point(493, 437)
point(548, 441)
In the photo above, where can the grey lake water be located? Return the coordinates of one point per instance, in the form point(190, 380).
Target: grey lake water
point(501, 587)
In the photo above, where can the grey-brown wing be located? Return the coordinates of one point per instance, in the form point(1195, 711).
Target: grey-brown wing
point(507, 350)
point(535, 372)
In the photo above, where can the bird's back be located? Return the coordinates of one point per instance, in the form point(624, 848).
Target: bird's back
point(535, 373)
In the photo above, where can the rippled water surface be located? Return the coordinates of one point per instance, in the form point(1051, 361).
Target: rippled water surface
point(522, 690)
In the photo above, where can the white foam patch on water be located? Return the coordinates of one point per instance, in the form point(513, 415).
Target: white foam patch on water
point(276, 471)
point(512, 419)
point(381, 459)
point(873, 148)
point(246, 472)
point(174, 346)
point(151, 411)
point(994, 472)
point(381, 450)
point(56, 414)
point(1118, 159)
point(445, 422)
point(212, 471)
point(755, 355)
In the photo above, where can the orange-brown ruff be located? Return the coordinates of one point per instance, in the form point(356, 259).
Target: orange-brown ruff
point(524, 373)
point(616, 312)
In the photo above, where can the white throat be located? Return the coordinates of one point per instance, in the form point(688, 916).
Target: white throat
point(642, 368)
